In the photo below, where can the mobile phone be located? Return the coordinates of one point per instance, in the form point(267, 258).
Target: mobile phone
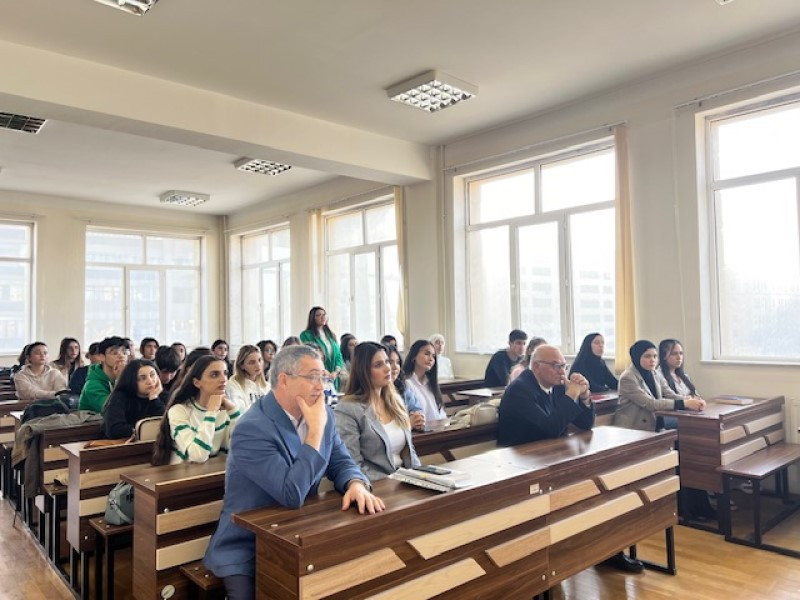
point(432, 470)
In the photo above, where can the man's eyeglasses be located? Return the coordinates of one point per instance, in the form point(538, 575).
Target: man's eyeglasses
point(555, 365)
point(119, 352)
point(322, 379)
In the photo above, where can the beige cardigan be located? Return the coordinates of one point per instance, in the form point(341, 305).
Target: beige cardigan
point(637, 405)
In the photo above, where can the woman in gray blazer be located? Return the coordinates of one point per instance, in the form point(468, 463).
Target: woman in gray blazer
point(643, 390)
point(371, 418)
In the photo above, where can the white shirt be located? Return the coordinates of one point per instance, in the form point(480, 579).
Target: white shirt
point(244, 396)
point(426, 399)
point(445, 368)
point(301, 427)
point(397, 441)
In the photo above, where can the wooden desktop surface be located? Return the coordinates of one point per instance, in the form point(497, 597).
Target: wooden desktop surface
point(531, 516)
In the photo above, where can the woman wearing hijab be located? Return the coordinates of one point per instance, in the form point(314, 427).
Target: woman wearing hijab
point(589, 363)
point(643, 390)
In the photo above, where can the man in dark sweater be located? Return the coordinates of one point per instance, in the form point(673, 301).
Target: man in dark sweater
point(504, 360)
point(541, 403)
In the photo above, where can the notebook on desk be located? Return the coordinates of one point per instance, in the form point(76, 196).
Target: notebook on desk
point(738, 400)
point(441, 483)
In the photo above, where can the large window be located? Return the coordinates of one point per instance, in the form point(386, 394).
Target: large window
point(539, 251)
point(141, 285)
point(363, 271)
point(16, 243)
point(753, 175)
point(265, 286)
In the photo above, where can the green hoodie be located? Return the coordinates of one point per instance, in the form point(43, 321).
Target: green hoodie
point(96, 390)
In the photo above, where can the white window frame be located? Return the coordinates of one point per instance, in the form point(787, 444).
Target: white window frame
point(712, 186)
point(31, 262)
point(283, 329)
point(128, 268)
point(570, 339)
point(376, 249)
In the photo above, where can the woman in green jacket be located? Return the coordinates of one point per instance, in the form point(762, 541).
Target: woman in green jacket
point(317, 331)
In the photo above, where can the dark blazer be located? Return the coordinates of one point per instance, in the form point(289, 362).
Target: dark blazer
point(527, 414)
point(367, 442)
point(268, 465)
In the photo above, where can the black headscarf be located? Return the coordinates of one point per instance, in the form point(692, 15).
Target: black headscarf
point(636, 352)
point(593, 367)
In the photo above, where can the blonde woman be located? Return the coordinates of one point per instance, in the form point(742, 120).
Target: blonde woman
point(372, 419)
point(248, 383)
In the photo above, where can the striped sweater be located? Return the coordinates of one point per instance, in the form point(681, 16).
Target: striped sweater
point(198, 434)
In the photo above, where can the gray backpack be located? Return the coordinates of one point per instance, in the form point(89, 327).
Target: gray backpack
point(119, 507)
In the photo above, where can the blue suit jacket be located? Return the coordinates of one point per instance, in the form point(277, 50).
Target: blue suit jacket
point(268, 465)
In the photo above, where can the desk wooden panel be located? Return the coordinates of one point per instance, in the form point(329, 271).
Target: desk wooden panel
point(722, 434)
point(533, 516)
point(445, 441)
point(175, 512)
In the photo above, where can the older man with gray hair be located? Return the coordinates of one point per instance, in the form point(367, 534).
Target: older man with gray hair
point(280, 450)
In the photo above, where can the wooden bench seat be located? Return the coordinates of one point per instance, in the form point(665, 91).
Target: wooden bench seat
point(755, 468)
point(206, 582)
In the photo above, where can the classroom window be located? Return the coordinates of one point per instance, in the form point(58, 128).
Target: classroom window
point(16, 268)
point(539, 253)
point(143, 285)
point(362, 286)
point(753, 178)
point(266, 292)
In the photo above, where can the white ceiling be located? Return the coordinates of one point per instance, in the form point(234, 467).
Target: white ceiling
point(333, 60)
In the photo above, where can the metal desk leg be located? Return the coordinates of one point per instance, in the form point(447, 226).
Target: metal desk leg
point(757, 512)
point(98, 567)
point(724, 507)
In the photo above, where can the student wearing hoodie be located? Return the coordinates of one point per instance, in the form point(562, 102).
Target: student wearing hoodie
point(101, 377)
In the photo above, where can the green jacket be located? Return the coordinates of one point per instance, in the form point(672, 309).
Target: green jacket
point(333, 359)
point(96, 390)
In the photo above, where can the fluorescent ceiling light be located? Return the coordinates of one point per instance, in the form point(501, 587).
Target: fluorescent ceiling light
point(432, 91)
point(135, 7)
point(180, 198)
point(264, 167)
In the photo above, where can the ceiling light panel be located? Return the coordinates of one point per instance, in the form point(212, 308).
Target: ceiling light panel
point(134, 7)
point(181, 198)
point(264, 167)
point(22, 123)
point(432, 91)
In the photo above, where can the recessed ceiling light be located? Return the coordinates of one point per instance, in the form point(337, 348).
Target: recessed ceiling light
point(264, 167)
point(723, 2)
point(432, 91)
point(134, 7)
point(22, 123)
point(181, 198)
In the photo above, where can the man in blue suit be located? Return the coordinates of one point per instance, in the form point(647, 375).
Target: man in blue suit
point(280, 449)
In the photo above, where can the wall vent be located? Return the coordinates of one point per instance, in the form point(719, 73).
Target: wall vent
point(20, 122)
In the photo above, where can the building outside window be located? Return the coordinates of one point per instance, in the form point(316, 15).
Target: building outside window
point(538, 251)
point(363, 270)
point(753, 178)
point(16, 284)
point(143, 285)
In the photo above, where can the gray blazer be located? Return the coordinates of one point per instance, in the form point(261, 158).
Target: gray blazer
point(367, 442)
point(637, 404)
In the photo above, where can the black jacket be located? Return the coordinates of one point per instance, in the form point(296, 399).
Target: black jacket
point(497, 370)
point(527, 413)
point(122, 412)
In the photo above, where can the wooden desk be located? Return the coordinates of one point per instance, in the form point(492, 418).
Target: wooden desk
point(176, 510)
point(451, 389)
point(445, 441)
point(723, 434)
point(535, 515)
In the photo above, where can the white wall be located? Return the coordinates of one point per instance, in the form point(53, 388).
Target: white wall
point(60, 251)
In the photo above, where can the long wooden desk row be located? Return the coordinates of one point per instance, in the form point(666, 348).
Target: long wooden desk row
point(532, 516)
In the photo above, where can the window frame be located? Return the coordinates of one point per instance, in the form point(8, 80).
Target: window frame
point(376, 249)
point(569, 341)
point(30, 261)
point(713, 185)
point(284, 329)
point(162, 270)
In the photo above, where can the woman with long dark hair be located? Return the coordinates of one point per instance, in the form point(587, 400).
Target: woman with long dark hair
point(372, 419)
point(69, 357)
point(318, 332)
point(406, 393)
point(589, 363)
point(199, 416)
point(643, 391)
point(347, 344)
point(136, 395)
point(268, 351)
point(422, 375)
point(670, 353)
